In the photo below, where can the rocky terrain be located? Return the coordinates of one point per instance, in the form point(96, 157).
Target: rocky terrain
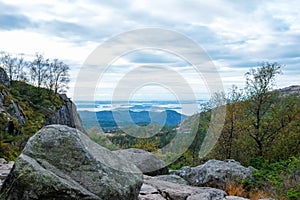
point(16, 106)
point(60, 162)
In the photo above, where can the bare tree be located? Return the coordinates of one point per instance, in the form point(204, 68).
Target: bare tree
point(8, 63)
point(19, 71)
point(38, 70)
point(53, 75)
point(231, 128)
point(57, 76)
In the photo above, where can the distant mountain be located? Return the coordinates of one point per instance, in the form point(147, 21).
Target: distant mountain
point(111, 120)
point(291, 90)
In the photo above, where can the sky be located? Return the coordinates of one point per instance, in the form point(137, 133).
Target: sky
point(235, 35)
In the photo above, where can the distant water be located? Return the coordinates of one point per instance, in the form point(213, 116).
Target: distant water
point(183, 107)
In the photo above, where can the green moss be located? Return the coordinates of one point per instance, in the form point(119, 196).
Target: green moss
point(35, 103)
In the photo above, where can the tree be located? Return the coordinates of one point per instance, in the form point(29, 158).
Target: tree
point(38, 69)
point(231, 128)
point(282, 128)
point(19, 72)
point(14, 66)
point(58, 76)
point(8, 63)
point(259, 83)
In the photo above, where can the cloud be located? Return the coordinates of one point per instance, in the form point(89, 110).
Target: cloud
point(237, 35)
point(11, 19)
point(13, 22)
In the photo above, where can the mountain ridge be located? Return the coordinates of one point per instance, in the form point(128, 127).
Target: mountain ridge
point(114, 119)
point(290, 90)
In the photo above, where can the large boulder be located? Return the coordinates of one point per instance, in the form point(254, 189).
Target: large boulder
point(145, 161)
point(60, 162)
point(154, 189)
point(215, 173)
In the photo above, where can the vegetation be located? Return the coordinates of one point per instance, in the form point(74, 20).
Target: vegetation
point(261, 129)
point(31, 97)
point(41, 72)
point(35, 104)
point(261, 126)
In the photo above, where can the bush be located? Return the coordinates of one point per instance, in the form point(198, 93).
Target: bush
point(279, 179)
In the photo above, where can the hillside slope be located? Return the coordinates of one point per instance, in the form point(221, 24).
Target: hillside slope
point(24, 109)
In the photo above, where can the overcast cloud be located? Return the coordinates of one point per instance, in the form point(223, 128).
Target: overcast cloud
point(236, 35)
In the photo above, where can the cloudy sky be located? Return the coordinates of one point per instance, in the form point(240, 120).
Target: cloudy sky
point(236, 35)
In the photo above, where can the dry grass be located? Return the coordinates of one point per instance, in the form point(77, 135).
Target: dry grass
point(257, 194)
point(234, 189)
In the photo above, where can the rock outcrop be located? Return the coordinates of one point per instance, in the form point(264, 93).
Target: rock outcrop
point(4, 80)
point(10, 111)
point(66, 115)
point(215, 173)
point(5, 168)
point(144, 160)
point(60, 162)
point(154, 189)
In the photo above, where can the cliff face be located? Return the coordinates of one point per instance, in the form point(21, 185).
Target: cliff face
point(4, 80)
point(66, 115)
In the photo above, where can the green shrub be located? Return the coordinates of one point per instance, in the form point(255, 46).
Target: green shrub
point(293, 194)
point(281, 179)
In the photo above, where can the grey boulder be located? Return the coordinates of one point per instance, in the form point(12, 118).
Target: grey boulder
point(60, 162)
point(215, 173)
point(154, 189)
point(171, 178)
point(144, 160)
